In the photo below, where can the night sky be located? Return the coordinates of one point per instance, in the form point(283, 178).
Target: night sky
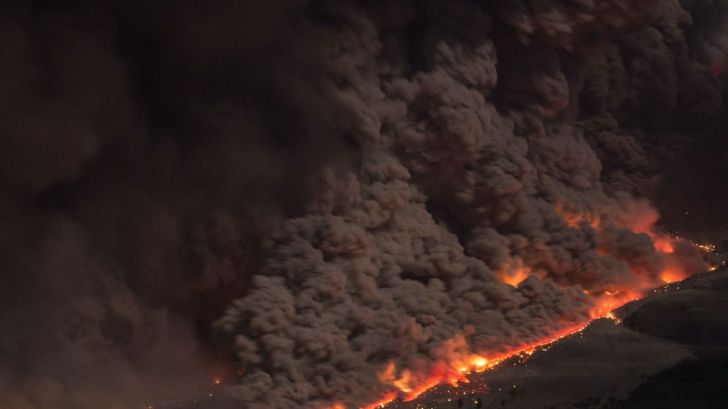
point(333, 204)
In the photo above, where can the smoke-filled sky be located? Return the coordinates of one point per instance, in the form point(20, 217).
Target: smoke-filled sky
point(295, 195)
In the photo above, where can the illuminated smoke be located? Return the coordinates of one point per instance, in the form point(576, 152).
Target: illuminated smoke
point(478, 218)
point(389, 193)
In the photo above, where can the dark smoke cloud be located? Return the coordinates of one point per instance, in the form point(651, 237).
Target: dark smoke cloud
point(140, 165)
point(353, 181)
point(470, 159)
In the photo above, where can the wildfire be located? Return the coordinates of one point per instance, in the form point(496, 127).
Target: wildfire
point(406, 384)
point(705, 247)
point(514, 277)
point(608, 301)
point(457, 371)
point(613, 317)
point(388, 398)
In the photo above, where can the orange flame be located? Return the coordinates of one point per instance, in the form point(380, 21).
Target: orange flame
point(670, 276)
point(388, 398)
point(641, 218)
point(608, 301)
point(457, 371)
point(514, 277)
point(407, 385)
point(388, 376)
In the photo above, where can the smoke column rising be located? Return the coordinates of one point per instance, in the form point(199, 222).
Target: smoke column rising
point(475, 169)
point(337, 186)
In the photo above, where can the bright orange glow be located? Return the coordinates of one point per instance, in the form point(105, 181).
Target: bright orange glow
point(408, 385)
point(388, 398)
point(672, 275)
point(444, 373)
point(456, 372)
point(479, 363)
point(388, 376)
point(613, 317)
point(424, 387)
point(456, 362)
point(608, 301)
point(705, 247)
point(514, 273)
point(217, 381)
point(663, 244)
point(515, 278)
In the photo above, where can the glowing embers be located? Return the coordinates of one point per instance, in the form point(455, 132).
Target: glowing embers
point(607, 301)
point(715, 265)
point(706, 247)
point(194, 399)
point(388, 398)
point(613, 317)
point(408, 385)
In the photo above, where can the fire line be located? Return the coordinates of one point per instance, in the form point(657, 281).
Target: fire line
point(456, 372)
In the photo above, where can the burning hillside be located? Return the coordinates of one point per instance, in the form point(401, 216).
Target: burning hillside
point(341, 204)
point(456, 368)
point(476, 224)
point(642, 360)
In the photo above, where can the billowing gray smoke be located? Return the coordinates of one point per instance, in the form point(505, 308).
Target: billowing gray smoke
point(336, 185)
point(476, 162)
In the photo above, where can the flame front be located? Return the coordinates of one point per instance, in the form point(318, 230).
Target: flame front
point(454, 372)
point(407, 384)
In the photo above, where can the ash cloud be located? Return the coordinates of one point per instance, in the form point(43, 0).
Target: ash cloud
point(143, 156)
point(303, 192)
point(475, 153)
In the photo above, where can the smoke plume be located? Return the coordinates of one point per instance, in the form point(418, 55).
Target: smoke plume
point(299, 195)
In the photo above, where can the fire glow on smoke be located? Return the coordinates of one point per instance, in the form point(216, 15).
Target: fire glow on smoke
point(457, 372)
point(407, 384)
